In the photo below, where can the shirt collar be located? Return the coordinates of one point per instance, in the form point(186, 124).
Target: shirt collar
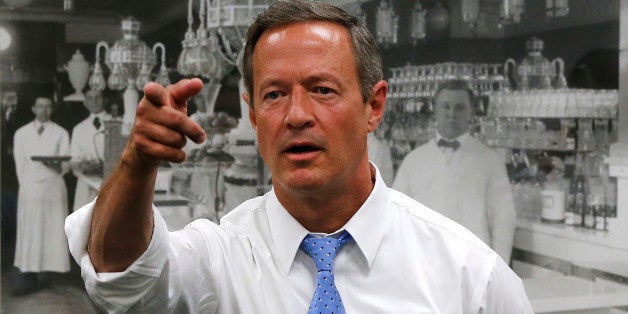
point(103, 115)
point(38, 124)
point(464, 138)
point(367, 226)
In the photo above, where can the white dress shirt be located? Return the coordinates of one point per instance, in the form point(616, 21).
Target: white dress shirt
point(88, 144)
point(379, 154)
point(405, 258)
point(469, 185)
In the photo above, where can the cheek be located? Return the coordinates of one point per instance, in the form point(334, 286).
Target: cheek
point(265, 134)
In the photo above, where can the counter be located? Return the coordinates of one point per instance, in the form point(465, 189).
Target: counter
point(570, 293)
point(571, 249)
point(566, 268)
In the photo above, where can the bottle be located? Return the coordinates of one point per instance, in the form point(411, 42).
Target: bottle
point(571, 202)
point(585, 135)
point(553, 195)
point(600, 217)
point(588, 221)
point(579, 209)
point(572, 215)
point(610, 200)
point(596, 202)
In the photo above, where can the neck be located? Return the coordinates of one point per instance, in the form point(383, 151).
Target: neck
point(451, 136)
point(328, 209)
point(42, 120)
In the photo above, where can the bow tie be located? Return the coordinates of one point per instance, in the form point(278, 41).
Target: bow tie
point(450, 144)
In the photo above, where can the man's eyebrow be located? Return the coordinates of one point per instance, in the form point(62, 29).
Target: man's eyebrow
point(323, 77)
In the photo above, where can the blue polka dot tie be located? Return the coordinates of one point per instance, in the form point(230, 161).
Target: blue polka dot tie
point(323, 251)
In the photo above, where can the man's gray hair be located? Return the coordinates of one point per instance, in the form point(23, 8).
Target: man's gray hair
point(285, 12)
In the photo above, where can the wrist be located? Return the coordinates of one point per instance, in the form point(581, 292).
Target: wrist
point(138, 163)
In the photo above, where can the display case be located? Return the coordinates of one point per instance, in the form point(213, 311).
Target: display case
point(555, 142)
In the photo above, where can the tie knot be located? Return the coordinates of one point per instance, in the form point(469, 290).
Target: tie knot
point(450, 144)
point(96, 123)
point(323, 250)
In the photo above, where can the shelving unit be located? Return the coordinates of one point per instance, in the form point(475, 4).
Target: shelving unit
point(576, 126)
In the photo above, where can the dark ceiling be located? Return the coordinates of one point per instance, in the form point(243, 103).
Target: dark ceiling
point(156, 15)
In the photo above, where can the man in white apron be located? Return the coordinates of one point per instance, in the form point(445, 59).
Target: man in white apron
point(42, 198)
point(87, 147)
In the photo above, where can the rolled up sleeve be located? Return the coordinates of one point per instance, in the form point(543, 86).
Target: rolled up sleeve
point(121, 291)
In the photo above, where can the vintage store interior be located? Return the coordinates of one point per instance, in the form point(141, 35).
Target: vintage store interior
point(551, 78)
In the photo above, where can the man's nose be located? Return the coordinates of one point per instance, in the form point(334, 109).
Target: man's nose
point(299, 110)
point(451, 112)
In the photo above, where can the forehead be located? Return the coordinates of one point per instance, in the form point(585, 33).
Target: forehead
point(311, 38)
point(41, 102)
point(454, 96)
point(302, 49)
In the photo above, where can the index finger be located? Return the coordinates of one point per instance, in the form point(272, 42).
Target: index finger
point(175, 96)
point(184, 90)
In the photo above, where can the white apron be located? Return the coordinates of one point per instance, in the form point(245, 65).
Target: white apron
point(41, 244)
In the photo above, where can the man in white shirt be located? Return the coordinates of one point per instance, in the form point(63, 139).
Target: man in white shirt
point(312, 105)
point(379, 154)
point(88, 149)
point(42, 204)
point(458, 176)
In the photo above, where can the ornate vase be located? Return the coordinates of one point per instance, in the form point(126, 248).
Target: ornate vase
point(78, 72)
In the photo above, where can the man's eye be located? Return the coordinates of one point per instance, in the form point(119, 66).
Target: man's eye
point(272, 95)
point(324, 90)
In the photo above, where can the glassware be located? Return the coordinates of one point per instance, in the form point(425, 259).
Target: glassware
point(585, 134)
point(535, 71)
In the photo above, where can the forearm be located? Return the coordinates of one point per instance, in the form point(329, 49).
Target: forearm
point(122, 222)
point(503, 224)
point(503, 237)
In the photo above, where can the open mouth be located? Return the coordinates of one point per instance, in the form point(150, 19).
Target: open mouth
point(301, 149)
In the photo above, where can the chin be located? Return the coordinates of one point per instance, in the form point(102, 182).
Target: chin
point(301, 181)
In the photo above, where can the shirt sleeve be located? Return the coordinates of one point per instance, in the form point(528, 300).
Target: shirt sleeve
point(64, 150)
point(501, 212)
point(172, 275)
point(75, 148)
point(505, 292)
point(19, 156)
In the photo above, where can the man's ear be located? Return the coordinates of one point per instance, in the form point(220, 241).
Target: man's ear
point(377, 104)
point(252, 117)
